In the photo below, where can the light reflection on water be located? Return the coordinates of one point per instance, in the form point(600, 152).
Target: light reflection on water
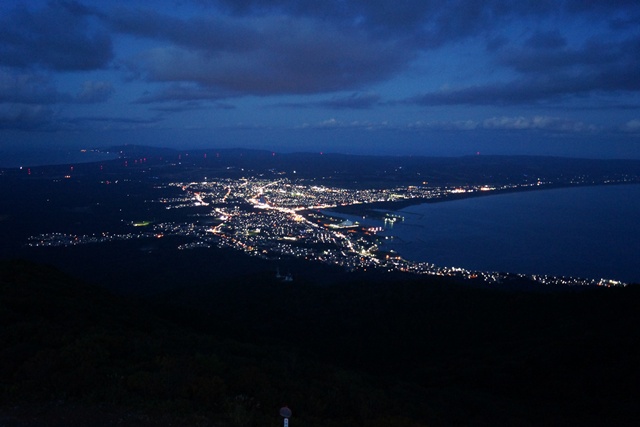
point(589, 232)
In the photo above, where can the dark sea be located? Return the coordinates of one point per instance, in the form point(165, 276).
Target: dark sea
point(588, 232)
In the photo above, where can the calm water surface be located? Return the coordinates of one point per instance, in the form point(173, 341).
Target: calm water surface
point(590, 232)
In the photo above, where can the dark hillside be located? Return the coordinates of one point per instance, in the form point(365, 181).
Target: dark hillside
point(148, 163)
point(364, 353)
point(506, 354)
point(73, 355)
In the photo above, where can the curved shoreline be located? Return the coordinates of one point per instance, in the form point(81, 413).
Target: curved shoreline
point(445, 248)
point(374, 208)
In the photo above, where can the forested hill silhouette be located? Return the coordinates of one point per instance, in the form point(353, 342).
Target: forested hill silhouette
point(345, 169)
point(407, 352)
point(375, 170)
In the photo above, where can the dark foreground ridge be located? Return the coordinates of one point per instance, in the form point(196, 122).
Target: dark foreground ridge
point(364, 352)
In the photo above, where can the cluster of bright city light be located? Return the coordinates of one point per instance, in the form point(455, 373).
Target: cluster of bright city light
point(275, 218)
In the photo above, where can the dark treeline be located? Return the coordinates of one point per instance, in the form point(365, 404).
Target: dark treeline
point(341, 169)
point(365, 351)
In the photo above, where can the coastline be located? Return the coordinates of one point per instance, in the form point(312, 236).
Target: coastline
point(377, 210)
point(471, 235)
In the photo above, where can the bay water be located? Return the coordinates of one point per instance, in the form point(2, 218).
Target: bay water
point(588, 232)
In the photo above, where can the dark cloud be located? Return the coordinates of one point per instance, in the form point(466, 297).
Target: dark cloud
point(37, 88)
point(44, 118)
point(632, 126)
point(371, 14)
point(26, 117)
point(284, 56)
point(333, 124)
point(553, 74)
point(506, 123)
point(111, 119)
point(355, 101)
point(337, 50)
point(600, 6)
point(29, 88)
point(553, 124)
point(191, 106)
point(94, 92)
point(61, 36)
point(211, 33)
point(420, 23)
point(430, 22)
point(625, 23)
point(546, 40)
point(604, 106)
point(524, 91)
point(494, 44)
point(106, 123)
point(271, 47)
point(182, 93)
point(452, 125)
point(594, 54)
point(456, 18)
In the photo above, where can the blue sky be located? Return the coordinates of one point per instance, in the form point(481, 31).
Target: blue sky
point(360, 76)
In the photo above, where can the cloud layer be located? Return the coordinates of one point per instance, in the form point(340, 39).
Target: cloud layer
point(60, 36)
point(273, 55)
point(456, 65)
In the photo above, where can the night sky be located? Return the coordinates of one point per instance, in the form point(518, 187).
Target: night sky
point(446, 77)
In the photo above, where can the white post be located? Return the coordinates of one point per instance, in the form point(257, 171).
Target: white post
point(285, 412)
